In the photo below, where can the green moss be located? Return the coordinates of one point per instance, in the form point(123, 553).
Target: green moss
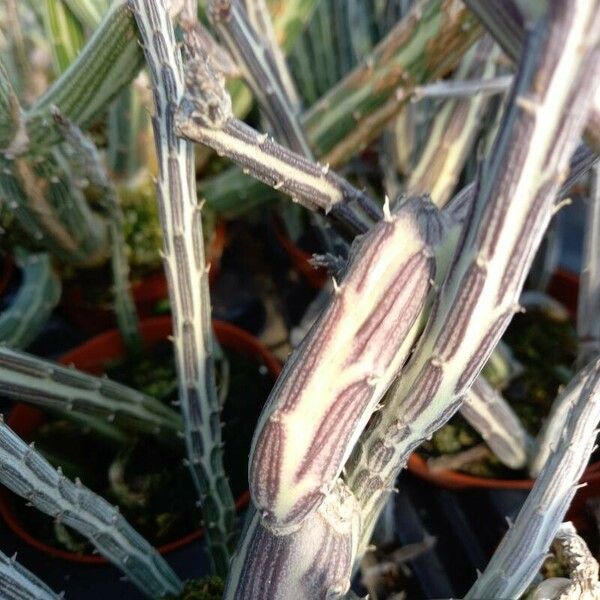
point(210, 588)
point(142, 226)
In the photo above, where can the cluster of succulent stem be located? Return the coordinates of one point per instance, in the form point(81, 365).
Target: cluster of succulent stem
point(415, 312)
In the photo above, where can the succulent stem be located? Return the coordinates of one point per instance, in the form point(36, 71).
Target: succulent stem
point(25, 378)
point(505, 21)
point(512, 207)
point(39, 293)
point(488, 412)
point(17, 582)
point(523, 548)
point(588, 308)
point(187, 276)
point(268, 566)
point(205, 117)
point(86, 159)
point(29, 475)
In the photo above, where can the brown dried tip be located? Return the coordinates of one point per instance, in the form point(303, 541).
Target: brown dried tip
point(205, 100)
point(197, 41)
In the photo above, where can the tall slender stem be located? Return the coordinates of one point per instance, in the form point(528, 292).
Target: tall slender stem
point(187, 276)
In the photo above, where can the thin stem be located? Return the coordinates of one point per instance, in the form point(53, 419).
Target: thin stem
point(205, 117)
point(261, 69)
point(493, 418)
point(523, 549)
point(504, 20)
point(39, 293)
point(454, 130)
point(26, 378)
point(425, 45)
point(187, 275)
point(85, 156)
point(512, 207)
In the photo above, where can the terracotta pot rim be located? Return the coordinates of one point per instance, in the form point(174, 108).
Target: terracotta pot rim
point(449, 478)
point(96, 347)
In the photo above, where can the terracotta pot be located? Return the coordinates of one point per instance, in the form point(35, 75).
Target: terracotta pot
point(91, 357)
point(564, 287)
point(147, 292)
point(300, 259)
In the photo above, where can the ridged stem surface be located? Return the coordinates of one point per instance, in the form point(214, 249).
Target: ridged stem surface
point(89, 166)
point(187, 276)
point(29, 475)
point(309, 564)
point(512, 207)
point(26, 378)
point(107, 63)
point(494, 419)
point(504, 20)
point(205, 117)
point(17, 583)
point(332, 383)
point(524, 547)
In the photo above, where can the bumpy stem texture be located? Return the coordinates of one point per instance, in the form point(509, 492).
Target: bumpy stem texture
point(26, 378)
point(523, 549)
point(504, 20)
point(267, 76)
point(260, 19)
point(205, 117)
point(48, 204)
point(17, 583)
point(267, 566)
point(29, 475)
point(39, 293)
point(106, 64)
point(357, 110)
point(187, 275)
point(334, 380)
point(425, 45)
point(512, 207)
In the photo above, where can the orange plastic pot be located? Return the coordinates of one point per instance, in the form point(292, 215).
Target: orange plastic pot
point(564, 287)
point(147, 292)
point(92, 356)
